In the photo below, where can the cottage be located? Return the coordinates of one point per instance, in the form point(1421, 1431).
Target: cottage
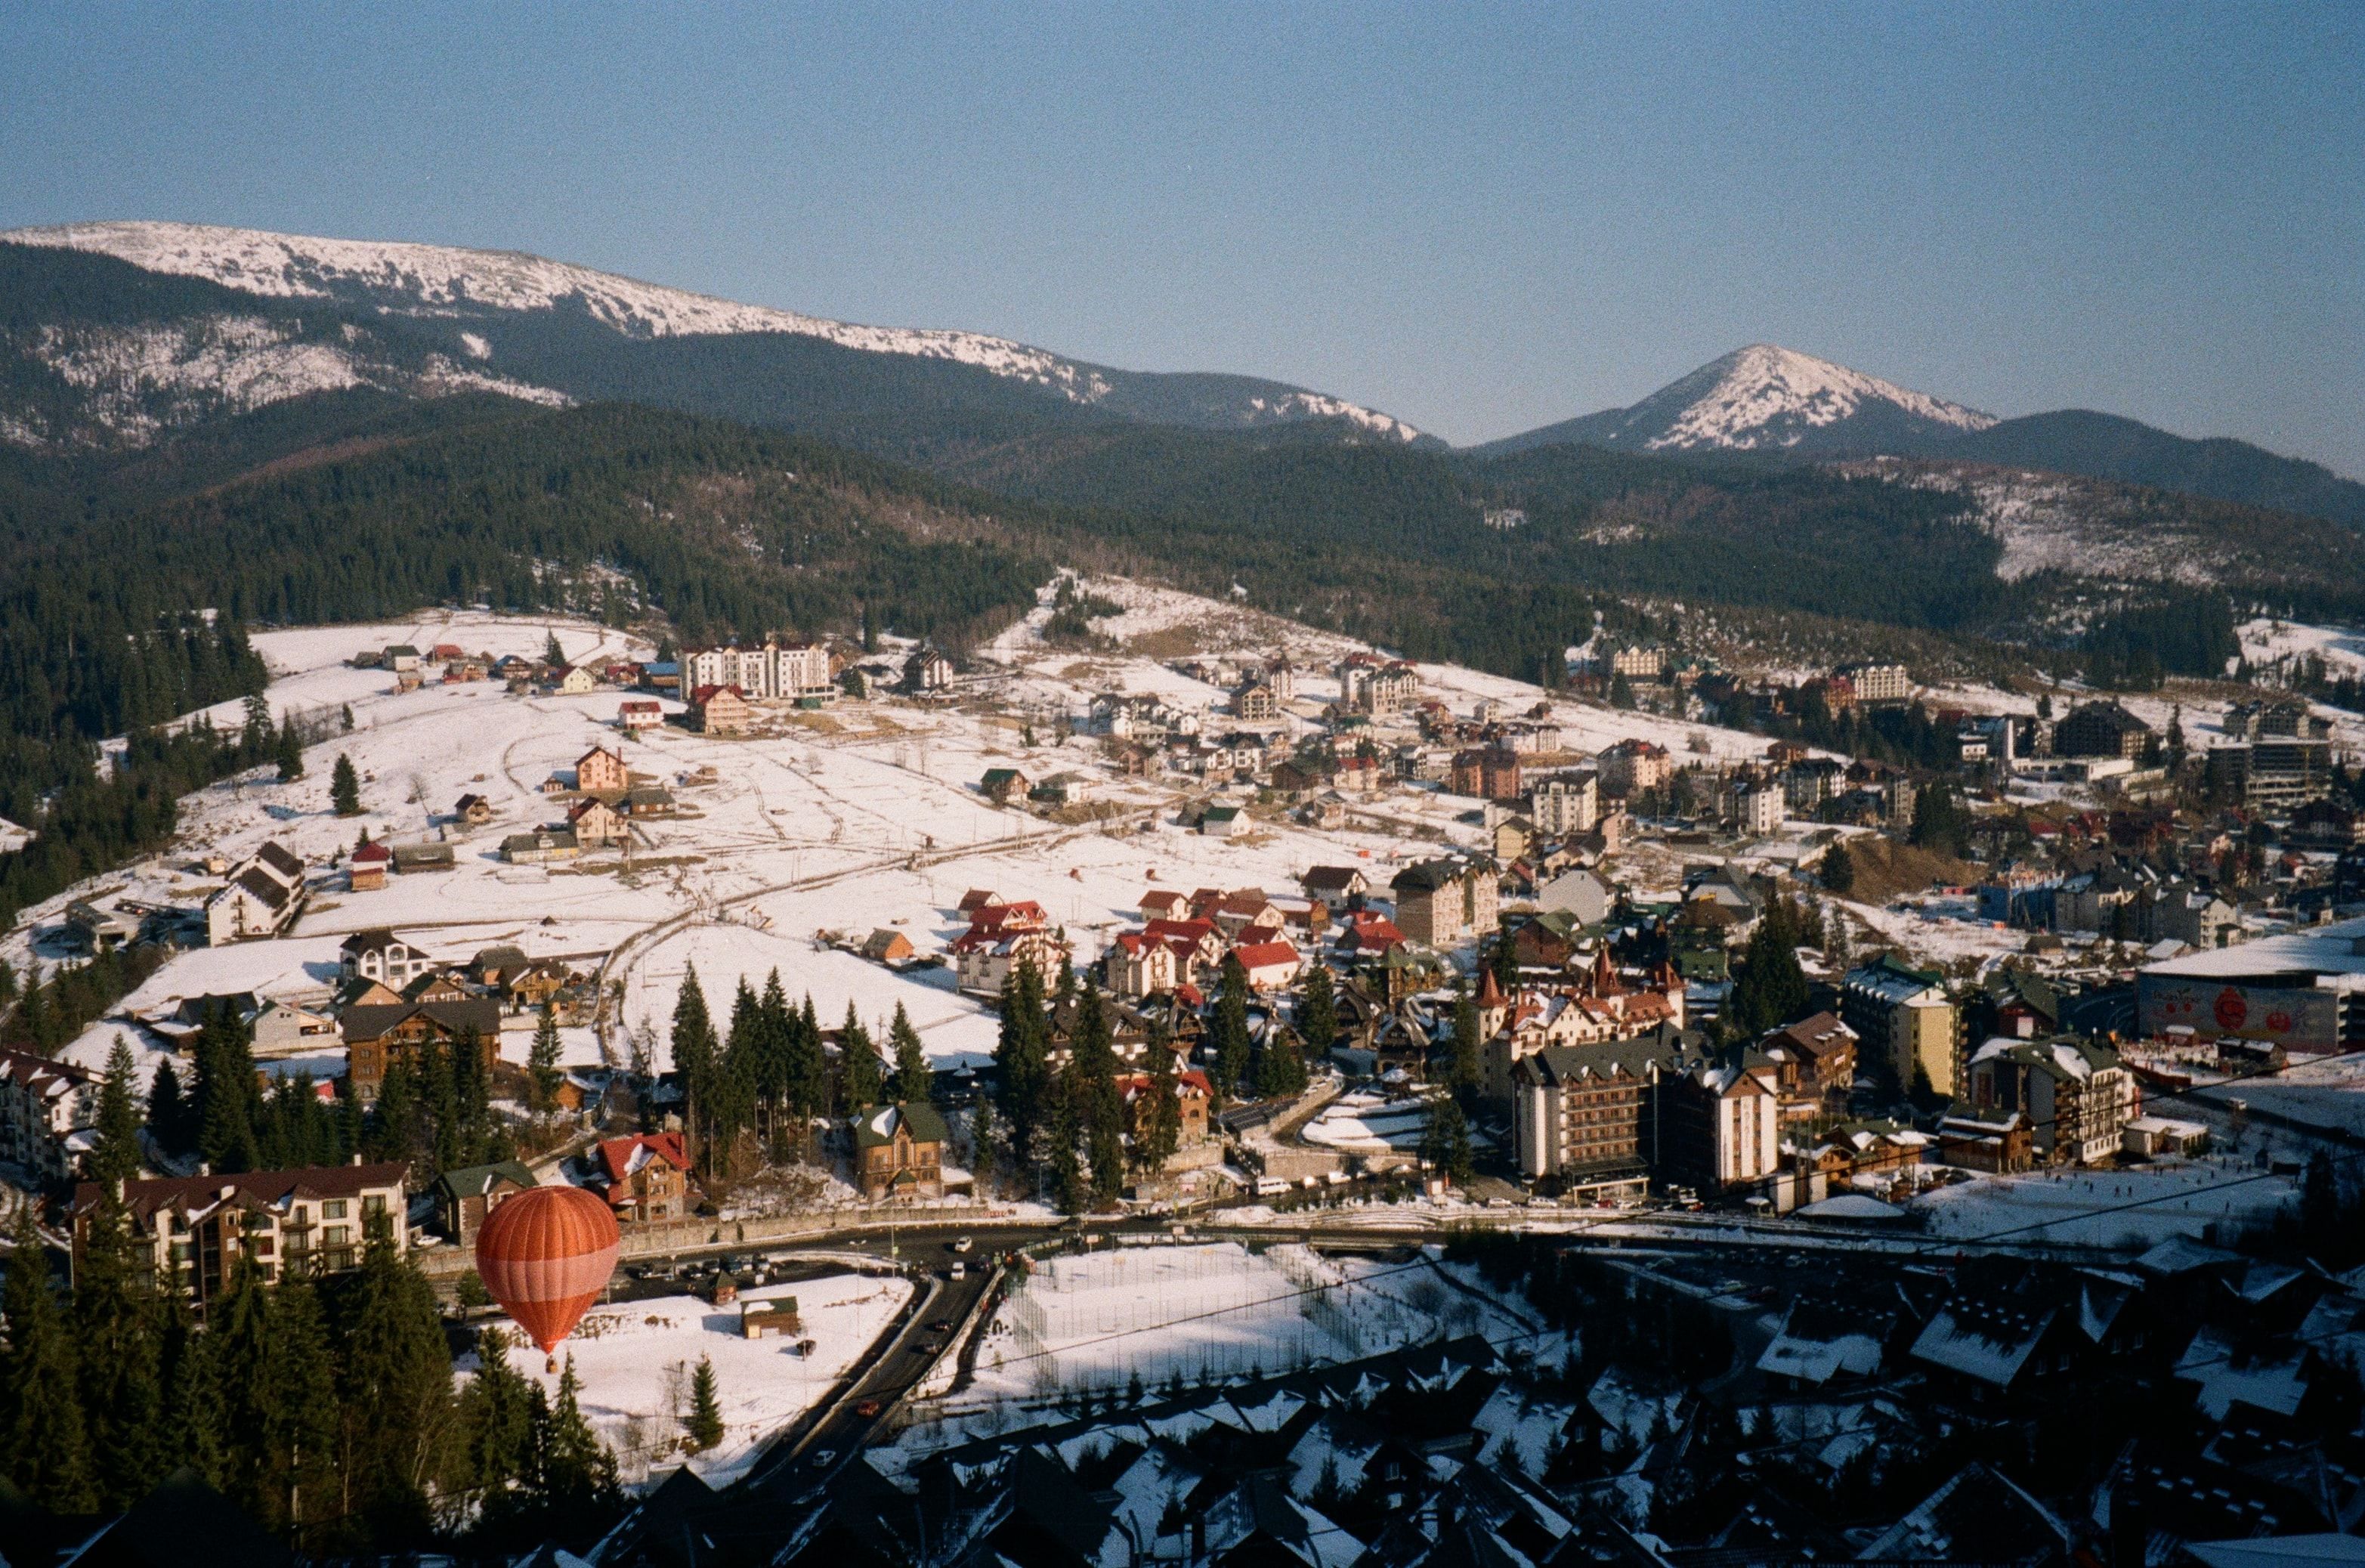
point(1269, 966)
point(378, 1036)
point(602, 772)
point(283, 1029)
point(888, 946)
point(466, 1197)
point(645, 1177)
point(473, 809)
point(640, 713)
point(721, 711)
point(596, 824)
point(574, 681)
point(1004, 785)
point(365, 868)
point(898, 1151)
point(541, 847)
point(1223, 821)
point(377, 953)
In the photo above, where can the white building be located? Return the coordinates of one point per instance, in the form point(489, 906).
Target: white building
point(1760, 810)
point(1564, 805)
point(378, 955)
point(47, 1109)
point(261, 897)
point(799, 670)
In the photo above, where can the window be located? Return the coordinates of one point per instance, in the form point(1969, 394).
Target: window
point(373, 1204)
point(334, 1209)
point(339, 1236)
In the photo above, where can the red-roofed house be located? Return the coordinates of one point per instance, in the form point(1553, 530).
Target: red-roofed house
point(977, 898)
point(1271, 965)
point(645, 1176)
point(1246, 915)
point(366, 870)
point(599, 770)
point(1368, 935)
point(1003, 919)
point(1164, 904)
point(1140, 965)
point(1198, 938)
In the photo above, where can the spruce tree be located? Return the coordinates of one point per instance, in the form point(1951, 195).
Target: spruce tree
point(1060, 1134)
point(394, 1384)
point(345, 717)
point(345, 787)
point(914, 1081)
point(191, 1422)
point(116, 1155)
point(1020, 1055)
point(497, 1415)
point(1837, 869)
point(1836, 939)
point(579, 1472)
point(1230, 1031)
point(1445, 1141)
point(1772, 990)
point(43, 1443)
point(117, 1329)
point(1163, 1121)
point(1100, 1106)
point(1466, 1069)
point(290, 755)
point(225, 1107)
point(297, 1472)
point(1318, 1011)
point(704, 1426)
point(695, 1048)
point(808, 1073)
point(857, 1064)
point(168, 1114)
point(541, 1060)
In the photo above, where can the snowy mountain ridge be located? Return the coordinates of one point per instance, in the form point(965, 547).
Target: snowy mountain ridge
point(449, 281)
point(1768, 396)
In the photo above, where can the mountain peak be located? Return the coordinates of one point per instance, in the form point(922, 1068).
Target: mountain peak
point(1766, 396)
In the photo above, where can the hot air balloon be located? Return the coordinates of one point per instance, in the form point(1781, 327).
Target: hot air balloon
point(546, 1255)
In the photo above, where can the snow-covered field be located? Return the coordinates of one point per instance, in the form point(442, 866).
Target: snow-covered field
point(1205, 1313)
point(1369, 1123)
point(636, 1360)
point(2084, 1207)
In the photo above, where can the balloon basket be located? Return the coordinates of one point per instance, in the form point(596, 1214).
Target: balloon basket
point(549, 1365)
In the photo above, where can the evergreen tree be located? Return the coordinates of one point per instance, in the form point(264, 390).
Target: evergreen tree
point(496, 1412)
point(118, 1324)
point(1940, 823)
point(394, 1384)
point(704, 1426)
point(695, 1049)
point(297, 1472)
point(1621, 690)
point(578, 1475)
point(191, 1426)
point(1318, 1011)
point(1836, 956)
point(1445, 1141)
point(345, 716)
point(985, 1142)
point(541, 1060)
point(345, 787)
point(808, 1073)
point(1229, 1031)
point(394, 1117)
point(290, 756)
point(857, 1063)
point(552, 654)
point(1772, 990)
point(1277, 1067)
point(8, 982)
point(1163, 1121)
point(1021, 1055)
point(1060, 1132)
point(43, 1443)
point(1100, 1106)
point(914, 1081)
point(1837, 869)
point(1465, 1069)
point(225, 1094)
point(116, 1155)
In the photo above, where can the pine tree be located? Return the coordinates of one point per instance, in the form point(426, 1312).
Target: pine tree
point(579, 1472)
point(225, 1094)
point(496, 1413)
point(541, 1060)
point(704, 1426)
point(1163, 1121)
point(290, 755)
point(1228, 1033)
point(1621, 690)
point(1772, 990)
point(808, 1073)
point(43, 1445)
point(116, 1155)
point(345, 787)
point(1021, 1056)
point(695, 1049)
point(857, 1064)
point(117, 1329)
point(552, 654)
point(345, 716)
point(914, 1081)
point(296, 1473)
point(394, 1383)
point(1836, 939)
point(1465, 1069)
point(1837, 869)
point(1100, 1107)
point(1445, 1141)
point(1318, 1011)
point(191, 1429)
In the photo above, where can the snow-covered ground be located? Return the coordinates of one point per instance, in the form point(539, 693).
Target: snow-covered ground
point(2084, 1208)
point(1205, 1313)
point(636, 1359)
point(1369, 1123)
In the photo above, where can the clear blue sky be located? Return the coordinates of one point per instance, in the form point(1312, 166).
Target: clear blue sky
point(1479, 218)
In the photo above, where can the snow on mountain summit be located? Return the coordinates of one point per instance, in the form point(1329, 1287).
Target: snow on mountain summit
point(450, 281)
point(1767, 396)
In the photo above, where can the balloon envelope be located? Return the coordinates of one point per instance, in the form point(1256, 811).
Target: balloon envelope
point(546, 1255)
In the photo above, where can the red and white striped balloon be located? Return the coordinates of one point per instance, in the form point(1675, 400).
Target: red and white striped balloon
point(546, 1255)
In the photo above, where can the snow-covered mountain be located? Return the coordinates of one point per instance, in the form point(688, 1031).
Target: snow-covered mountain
point(1764, 398)
point(502, 298)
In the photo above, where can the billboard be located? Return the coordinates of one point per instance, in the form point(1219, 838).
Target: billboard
point(2298, 1018)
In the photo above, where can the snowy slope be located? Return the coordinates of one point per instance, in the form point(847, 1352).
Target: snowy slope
point(1765, 398)
point(447, 281)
